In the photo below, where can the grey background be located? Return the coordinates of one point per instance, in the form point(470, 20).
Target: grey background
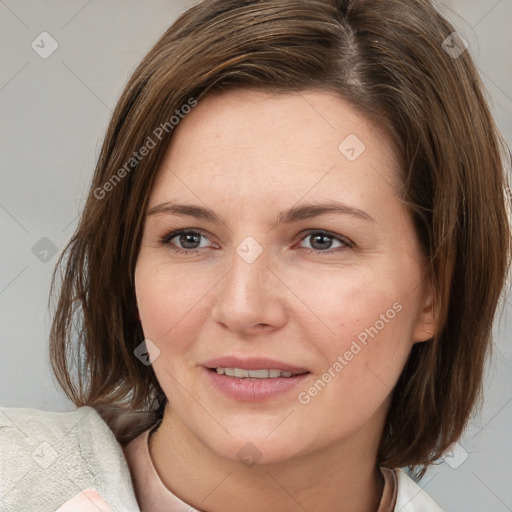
point(54, 113)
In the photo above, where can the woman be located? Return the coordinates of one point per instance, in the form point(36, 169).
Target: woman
point(286, 272)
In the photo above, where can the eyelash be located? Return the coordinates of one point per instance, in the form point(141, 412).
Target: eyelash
point(165, 240)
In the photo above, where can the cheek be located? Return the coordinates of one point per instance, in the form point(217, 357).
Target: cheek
point(365, 343)
point(351, 306)
point(169, 312)
point(151, 301)
point(167, 300)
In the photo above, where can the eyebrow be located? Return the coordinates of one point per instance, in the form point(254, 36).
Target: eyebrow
point(294, 214)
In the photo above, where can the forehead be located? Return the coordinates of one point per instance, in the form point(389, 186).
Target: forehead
point(311, 142)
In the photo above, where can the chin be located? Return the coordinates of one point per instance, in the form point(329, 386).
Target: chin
point(254, 446)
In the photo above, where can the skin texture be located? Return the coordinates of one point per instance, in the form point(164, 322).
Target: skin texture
point(248, 155)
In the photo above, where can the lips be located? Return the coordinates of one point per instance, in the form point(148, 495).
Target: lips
point(238, 384)
point(255, 363)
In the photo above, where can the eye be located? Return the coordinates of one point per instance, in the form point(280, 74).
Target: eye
point(188, 238)
point(322, 241)
point(188, 241)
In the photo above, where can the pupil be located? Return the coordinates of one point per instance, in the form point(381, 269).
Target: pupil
point(184, 241)
point(325, 237)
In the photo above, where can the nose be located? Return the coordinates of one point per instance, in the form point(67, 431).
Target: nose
point(250, 297)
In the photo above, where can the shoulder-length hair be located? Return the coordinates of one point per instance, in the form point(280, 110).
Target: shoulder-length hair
point(397, 61)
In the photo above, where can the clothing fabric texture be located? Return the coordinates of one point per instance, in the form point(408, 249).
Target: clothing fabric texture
point(48, 459)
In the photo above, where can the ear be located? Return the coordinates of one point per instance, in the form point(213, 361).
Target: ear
point(426, 325)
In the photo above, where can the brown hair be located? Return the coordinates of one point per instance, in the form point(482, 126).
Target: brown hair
point(387, 59)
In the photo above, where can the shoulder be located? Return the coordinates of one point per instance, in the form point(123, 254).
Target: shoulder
point(25, 421)
point(49, 457)
point(411, 497)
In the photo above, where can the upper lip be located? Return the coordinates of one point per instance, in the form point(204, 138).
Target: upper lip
point(252, 363)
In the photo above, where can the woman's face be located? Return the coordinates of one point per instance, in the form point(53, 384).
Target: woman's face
point(297, 256)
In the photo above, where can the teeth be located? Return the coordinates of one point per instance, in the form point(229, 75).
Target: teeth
point(254, 374)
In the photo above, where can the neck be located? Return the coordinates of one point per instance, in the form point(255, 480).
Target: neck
point(342, 475)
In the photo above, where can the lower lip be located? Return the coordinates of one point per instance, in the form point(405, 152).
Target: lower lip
point(254, 390)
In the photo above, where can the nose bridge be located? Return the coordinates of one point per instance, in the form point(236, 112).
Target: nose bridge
point(246, 298)
point(245, 281)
